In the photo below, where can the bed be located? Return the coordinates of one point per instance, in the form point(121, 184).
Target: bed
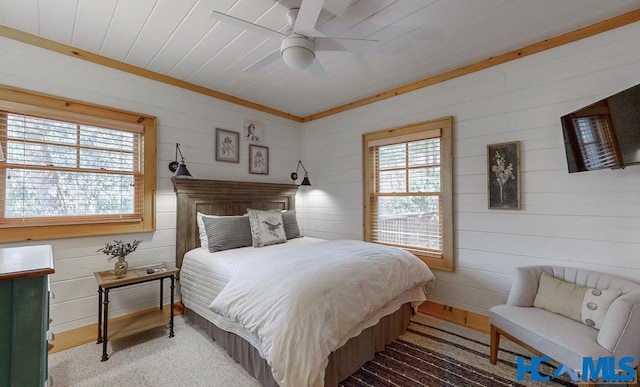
point(208, 280)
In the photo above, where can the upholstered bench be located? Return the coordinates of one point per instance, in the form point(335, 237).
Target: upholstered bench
point(569, 333)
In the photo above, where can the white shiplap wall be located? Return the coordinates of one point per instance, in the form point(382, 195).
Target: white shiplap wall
point(589, 219)
point(184, 117)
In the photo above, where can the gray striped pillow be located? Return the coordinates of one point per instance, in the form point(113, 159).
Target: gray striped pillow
point(227, 232)
point(290, 221)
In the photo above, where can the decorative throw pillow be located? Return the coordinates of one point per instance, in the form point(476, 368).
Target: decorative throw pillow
point(202, 232)
point(227, 232)
point(290, 221)
point(595, 305)
point(579, 303)
point(267, 227)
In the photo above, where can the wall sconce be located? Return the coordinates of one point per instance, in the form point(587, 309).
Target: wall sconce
point(179, 169)
point(294, 175)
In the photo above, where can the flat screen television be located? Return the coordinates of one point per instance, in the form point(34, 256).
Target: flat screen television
point(605, 134)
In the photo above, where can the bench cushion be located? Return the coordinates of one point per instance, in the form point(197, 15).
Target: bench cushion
point(552, 334)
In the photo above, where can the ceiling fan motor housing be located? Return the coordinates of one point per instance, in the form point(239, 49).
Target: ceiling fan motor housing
point(297, 51)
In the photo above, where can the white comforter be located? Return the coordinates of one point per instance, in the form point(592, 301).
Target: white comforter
point(304, 303)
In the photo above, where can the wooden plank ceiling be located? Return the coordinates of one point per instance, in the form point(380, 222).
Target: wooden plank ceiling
point(177, 41)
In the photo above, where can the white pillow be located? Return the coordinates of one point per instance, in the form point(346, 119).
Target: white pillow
point(579, 303)
point(267, 227)
point(595, 305)
point(202, 232)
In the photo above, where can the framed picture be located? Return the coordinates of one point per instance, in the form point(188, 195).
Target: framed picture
point(227, 146)
point(503, 175)
point(258, 159)
point(253, 130)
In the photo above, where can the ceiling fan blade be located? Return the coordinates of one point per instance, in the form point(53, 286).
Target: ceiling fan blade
point(262, 63)
point(307, 17)
point(343, 44)
point(362, 63)
point(317, 70)
point(354, 14)
point(245, 24)
point(335, 7)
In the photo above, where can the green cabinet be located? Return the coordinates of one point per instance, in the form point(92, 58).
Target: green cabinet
point(24, 314)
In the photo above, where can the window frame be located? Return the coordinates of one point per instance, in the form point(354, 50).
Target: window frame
point(34, 102)
point(404, 134)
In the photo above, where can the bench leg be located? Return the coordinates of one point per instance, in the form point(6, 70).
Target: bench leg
point(636, 383)
point(495, 345)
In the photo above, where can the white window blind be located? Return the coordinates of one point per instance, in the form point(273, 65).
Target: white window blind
point(61, 171)
point(408, 190)
point(405, 194)
point(597, 145)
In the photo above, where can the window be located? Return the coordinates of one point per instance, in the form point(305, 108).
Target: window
point(597, 145)
point(408, 190)
point(73, 169)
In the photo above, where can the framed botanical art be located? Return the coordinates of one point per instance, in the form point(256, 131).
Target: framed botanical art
point(258, 159)
point(253, 130)
point(503, 175)
point(227, 146)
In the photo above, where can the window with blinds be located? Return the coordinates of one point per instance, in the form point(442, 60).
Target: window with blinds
point(597, 145)
point(73, 173)
point(406, 194)
point(408, 190)
point(57, 171)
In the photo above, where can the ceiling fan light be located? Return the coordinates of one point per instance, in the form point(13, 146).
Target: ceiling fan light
point(297, 52)
point(298, 58)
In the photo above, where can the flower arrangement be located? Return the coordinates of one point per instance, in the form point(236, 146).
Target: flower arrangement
point(119, 248)
point(503, 172)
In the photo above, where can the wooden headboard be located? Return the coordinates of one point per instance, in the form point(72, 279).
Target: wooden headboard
point(217, 197)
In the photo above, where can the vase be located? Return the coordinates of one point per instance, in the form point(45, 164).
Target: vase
point(120, 267)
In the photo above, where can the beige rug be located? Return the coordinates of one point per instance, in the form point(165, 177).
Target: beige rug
point(433, 352)
point(150, 358)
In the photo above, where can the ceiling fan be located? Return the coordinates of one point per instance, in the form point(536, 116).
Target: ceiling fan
point(299, 44)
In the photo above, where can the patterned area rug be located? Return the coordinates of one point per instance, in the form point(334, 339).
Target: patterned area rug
point(436, 353)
